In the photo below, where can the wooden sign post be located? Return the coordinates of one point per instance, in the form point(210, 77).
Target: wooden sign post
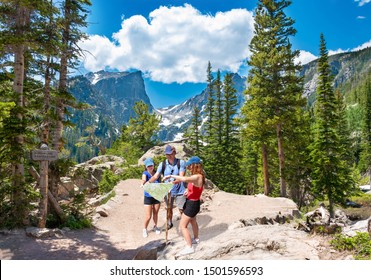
point(44, 155)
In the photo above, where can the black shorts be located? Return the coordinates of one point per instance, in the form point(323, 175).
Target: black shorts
point(150, 201)
point(191, 208)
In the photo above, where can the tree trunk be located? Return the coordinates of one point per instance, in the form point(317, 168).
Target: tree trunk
point(43, 183)
point(62, 89)
point(265, 169)
point(53, 202)
point(281, 157)
point(21, 22)
point(46, 121)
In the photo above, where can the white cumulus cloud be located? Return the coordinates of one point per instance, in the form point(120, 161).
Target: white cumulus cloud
point(362, 2)
point(174, 44)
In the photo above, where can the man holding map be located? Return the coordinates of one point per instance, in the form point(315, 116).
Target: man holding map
point(172, 166)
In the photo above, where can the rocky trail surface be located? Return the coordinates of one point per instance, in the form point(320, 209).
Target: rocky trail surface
point(227, 231)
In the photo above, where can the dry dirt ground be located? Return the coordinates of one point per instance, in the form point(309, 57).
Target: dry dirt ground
point(118, 236)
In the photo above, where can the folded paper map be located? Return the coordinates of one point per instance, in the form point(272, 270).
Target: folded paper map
point(158, 190)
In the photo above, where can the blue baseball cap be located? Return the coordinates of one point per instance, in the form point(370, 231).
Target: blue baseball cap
point(169, 150)
point(193, 160)
point(149, 162)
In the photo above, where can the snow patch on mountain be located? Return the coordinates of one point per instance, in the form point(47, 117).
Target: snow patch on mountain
point(96, 79)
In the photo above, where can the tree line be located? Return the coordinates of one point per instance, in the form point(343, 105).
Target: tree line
point(38, 50)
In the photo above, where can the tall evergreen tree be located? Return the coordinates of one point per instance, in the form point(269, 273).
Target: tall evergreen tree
point(16, 22)
point(72, 20)
point(210, 104)
point(20, 47)
point(219, 111)
point(365, 156)
point(208, 153)
point(274, 91)
point(194, 134)
point(216, 161)
point(330, 169)
point(230, 174)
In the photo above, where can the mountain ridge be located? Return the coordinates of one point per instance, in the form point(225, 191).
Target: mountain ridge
point(112, 95)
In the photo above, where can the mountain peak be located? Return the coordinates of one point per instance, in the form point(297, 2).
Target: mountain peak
point(95, 77)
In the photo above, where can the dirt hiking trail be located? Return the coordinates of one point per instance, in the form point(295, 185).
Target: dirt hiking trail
point(119, 235)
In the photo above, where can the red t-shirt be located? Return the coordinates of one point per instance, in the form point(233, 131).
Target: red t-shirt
point(194, 193)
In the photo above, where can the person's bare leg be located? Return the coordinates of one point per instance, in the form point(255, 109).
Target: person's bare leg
point(155, 210)
point(147, 215)
point(194, 225)
point(184, 221)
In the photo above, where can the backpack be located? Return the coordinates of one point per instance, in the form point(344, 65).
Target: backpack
point(164, 165)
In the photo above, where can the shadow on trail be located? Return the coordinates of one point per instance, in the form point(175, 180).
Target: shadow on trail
point(86, 244)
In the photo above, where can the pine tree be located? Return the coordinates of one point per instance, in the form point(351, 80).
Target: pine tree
point(210, 105)
point(19, 40)
point(194, 133)
point(274, 91)
point(215, 145)
point(138, 135)
point(365, 156)
point(230, 174)
point(331, 171)
point(218, 111)
point(143, 127)
point(208, 153)
point(73, 19)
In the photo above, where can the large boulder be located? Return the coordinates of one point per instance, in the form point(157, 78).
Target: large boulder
point(87, 175)
point(183, 151)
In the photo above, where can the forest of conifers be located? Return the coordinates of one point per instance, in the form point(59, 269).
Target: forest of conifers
point(279, 144)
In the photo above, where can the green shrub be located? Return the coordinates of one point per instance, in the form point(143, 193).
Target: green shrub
point(132, 172)
point(77, 214)
point(108, 182)
point(359, 245)
point(77, 222)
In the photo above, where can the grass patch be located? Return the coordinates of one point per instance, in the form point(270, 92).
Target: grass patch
point(359, 245)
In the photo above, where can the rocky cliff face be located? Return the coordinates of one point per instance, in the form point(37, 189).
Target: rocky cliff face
point(111, 94)
point(345, 67)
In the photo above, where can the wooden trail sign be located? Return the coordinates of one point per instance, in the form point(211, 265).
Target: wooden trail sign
point(41, 155)
point(44, 156)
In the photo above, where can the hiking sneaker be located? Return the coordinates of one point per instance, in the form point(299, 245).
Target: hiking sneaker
point(195, 240)
point(156, 230)
point(145, 233)
point(169, 226)
point(186, 251)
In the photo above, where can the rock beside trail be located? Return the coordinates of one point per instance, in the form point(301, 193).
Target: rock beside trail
point(87, 175)
point(259, 242)
point(182, 151)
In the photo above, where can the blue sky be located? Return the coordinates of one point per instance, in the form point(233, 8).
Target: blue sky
point(171, 42)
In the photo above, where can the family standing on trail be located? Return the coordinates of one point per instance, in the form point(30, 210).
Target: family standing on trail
point(187, 200)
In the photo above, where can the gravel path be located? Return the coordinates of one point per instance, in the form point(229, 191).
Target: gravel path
point(120, 234)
